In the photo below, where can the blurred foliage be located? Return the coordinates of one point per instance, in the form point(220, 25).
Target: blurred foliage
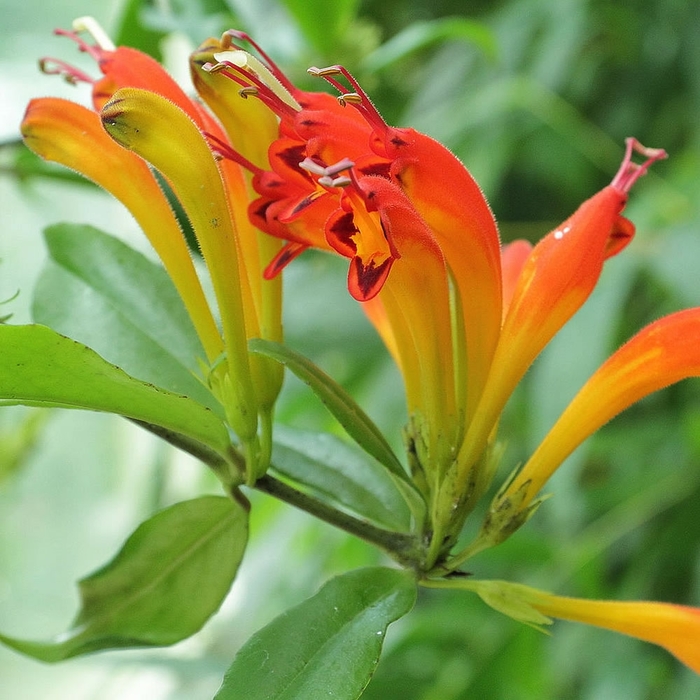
point(536, 98)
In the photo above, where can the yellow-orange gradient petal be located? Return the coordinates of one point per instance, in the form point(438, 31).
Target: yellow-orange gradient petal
point(166, 137)
point(262, 298)
point(250, 125)
point(661, 354)
point(67, 133)
point(676, 628)
point(416, 301)
point(452, 204)
point(558, 276)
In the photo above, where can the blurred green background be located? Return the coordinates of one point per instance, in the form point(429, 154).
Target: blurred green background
point(536, 98)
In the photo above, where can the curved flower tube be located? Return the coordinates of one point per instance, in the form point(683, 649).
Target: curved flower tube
point(249, 306)
point(272, 171)
point(676, 628)
point(162, 134)
point(556, 279)
point(426, 358)
point(663, 353)
point(72, 135)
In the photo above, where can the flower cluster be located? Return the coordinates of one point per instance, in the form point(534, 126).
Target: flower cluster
point(268, 171)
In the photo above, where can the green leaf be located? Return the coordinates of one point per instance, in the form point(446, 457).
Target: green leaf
point(111, 298)
point(344, 408)
point(39, 367)
point(134, 32)
point(327, 647)
point(169, 578)
point(342, 472)
point(323, 24)
point(25, 164)
point(420, 35)
point(18, 440)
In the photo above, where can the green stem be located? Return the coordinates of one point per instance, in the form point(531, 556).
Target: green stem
point(404, 548)
point(223, 468)
point(456, 584)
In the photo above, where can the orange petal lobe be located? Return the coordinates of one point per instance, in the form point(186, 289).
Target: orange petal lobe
point(128, 67)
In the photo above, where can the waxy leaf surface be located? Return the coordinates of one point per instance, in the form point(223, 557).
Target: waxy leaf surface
point(169, 578)
point(108, 296)
point(327, 647)
point(340, 471)
point(39, 367)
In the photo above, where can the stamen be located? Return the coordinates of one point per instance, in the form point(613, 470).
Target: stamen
point(355, 96)
point(92, 27)
point(328, 174)
point(629, 171)
point(274, 68)
point(258, 89)
point(254, 67)
point(210, 67)
point(312, 166)
point(323, 72)
point(342, 181)
point(327, 74)
point(95, 52)
point(71, 74)
point(221, 148)
point(352, 98)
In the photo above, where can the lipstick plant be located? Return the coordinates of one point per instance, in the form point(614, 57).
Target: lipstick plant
point(263, 172)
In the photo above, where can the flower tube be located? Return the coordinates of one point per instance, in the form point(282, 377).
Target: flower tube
point(235, 252)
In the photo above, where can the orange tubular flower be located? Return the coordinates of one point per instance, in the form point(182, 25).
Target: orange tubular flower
point(661, 354)
point(341, 179)
point(248, 306)
point(556, 279)
point(676, 628)
point(277, 170)
point(463, 319)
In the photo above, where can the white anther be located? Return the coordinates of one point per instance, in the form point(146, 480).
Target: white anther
point(328, 175)
point(92, 27)
point(244, 60)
